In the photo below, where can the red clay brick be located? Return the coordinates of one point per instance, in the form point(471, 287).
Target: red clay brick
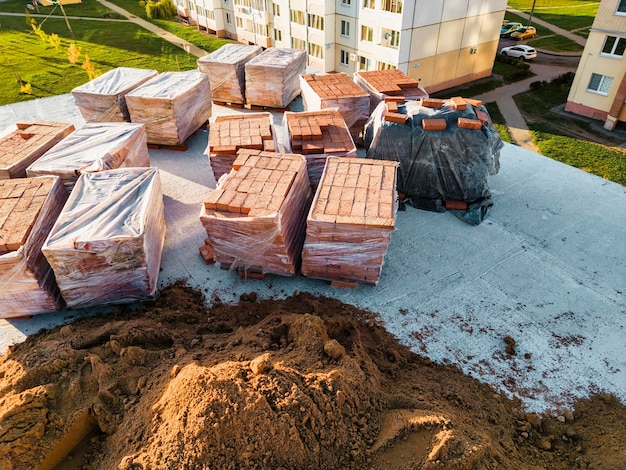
point(434, 124)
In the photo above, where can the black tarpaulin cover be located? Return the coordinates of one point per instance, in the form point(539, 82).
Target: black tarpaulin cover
point(438, 166)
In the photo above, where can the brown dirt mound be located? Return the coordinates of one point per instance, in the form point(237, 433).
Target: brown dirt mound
point(305, 382)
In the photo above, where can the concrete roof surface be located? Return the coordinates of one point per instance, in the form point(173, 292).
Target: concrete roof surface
point(547, 268)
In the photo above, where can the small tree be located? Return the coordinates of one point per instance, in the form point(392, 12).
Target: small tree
point(161, 9)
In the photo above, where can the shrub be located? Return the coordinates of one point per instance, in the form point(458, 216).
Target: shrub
point(142, 4)
point(538, 84)
point(161, 9)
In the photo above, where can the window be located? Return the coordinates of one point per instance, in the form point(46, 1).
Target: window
point(316, 50)
point(394, 6)
point(345, 28)
point(298, 44)
point(209, 14)
point(276, 9)
point(367, 33)
point(600, 84)
point(228, 19)
point(621, 7)
point(384, 66)
point(391, 38)
point(346, 2)
point(238, 22)
point(344, 57)
point(369, 3)
point(316, 21)
point(614, 46)
point(278, 35)
point(297, 16)
point(260, 29)
point(364, 63)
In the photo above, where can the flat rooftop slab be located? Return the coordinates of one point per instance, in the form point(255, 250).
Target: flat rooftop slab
point(547, 268)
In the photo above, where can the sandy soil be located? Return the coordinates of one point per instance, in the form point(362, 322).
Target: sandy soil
point(305, 382)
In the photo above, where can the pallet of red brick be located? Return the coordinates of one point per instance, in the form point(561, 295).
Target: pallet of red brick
point(94, 147)
point(255, 218)
point(106, 245)
point(350, 221)
point(28, 209)
point(336, 91)
point(229, 134)
point(172, 106)
point(225, 68)
point(316, 135)
point(29, 141)
point(103, 99)
point(380, 84)
point(273, 77)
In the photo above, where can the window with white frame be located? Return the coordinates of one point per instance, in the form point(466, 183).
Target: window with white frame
point(391, 38)
point(238, 21)
point(344, 57)
point(209, 14)
point(316, 21)
point(276, 9)
point(297, 16)
point(367, 33)
point(621, 7)
point(394, 6)
point(600, 84)
point(316, 50)
point(228, 19)
point(369, 4)
point(278, 35)
point(614, 46)
point(346, 2)
point(364, 63)
point(298, 44)
point(345, 28)
point(384, 66)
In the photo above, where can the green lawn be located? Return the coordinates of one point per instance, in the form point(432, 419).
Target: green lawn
point(558, 136)
point(498, 122)
point(571, 15)
point(88, 8)
point(50, 73)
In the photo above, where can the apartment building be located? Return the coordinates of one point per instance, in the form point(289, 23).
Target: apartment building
point(441, 43)
point(599, 88)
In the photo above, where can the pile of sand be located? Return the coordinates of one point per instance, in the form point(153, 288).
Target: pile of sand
point(304, 382)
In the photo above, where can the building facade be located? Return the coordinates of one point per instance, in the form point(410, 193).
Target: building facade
point(441, 43)
point(599, 87)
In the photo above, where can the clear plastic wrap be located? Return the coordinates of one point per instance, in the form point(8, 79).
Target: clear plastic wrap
point(273, 77)
point(107, 243)
point(350, 222)
point(266, 234)
point(317, 135)
point(439, 166)
point(26, 143)
point(172, 105)
point(94, 147)
point(27, 282)
point(229, 134)
point(226, 70)
point(103, 99)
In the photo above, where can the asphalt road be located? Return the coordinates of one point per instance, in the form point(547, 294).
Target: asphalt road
point(564, 60)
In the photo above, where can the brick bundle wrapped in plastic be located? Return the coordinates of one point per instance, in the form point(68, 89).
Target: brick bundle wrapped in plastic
point(350, 222)
point(447, 149)
point(337, 91)
point(273, 77)
point(229, 134)
point(317, 135)
point(94, 147)
point(28, 209)
point(255, 219)
point(381, 84)
point(28, 141)
point(103, 99)
point(106, 246)
point(225, 68)
point(172, 105)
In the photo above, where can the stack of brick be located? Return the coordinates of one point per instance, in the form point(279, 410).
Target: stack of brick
point(350, 222)
point(172, 105)
point(103, 99)
point(93, 147)
point(107, 243)
point(28, 209)
point(337, 90)
point(226, 71)
point(27, 143)
point(273, 77)
point(255, 219)
point(380, 84)
point(229, 134)
point(316, 135)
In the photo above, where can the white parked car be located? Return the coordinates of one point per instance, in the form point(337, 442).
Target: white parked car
point(521, 51)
